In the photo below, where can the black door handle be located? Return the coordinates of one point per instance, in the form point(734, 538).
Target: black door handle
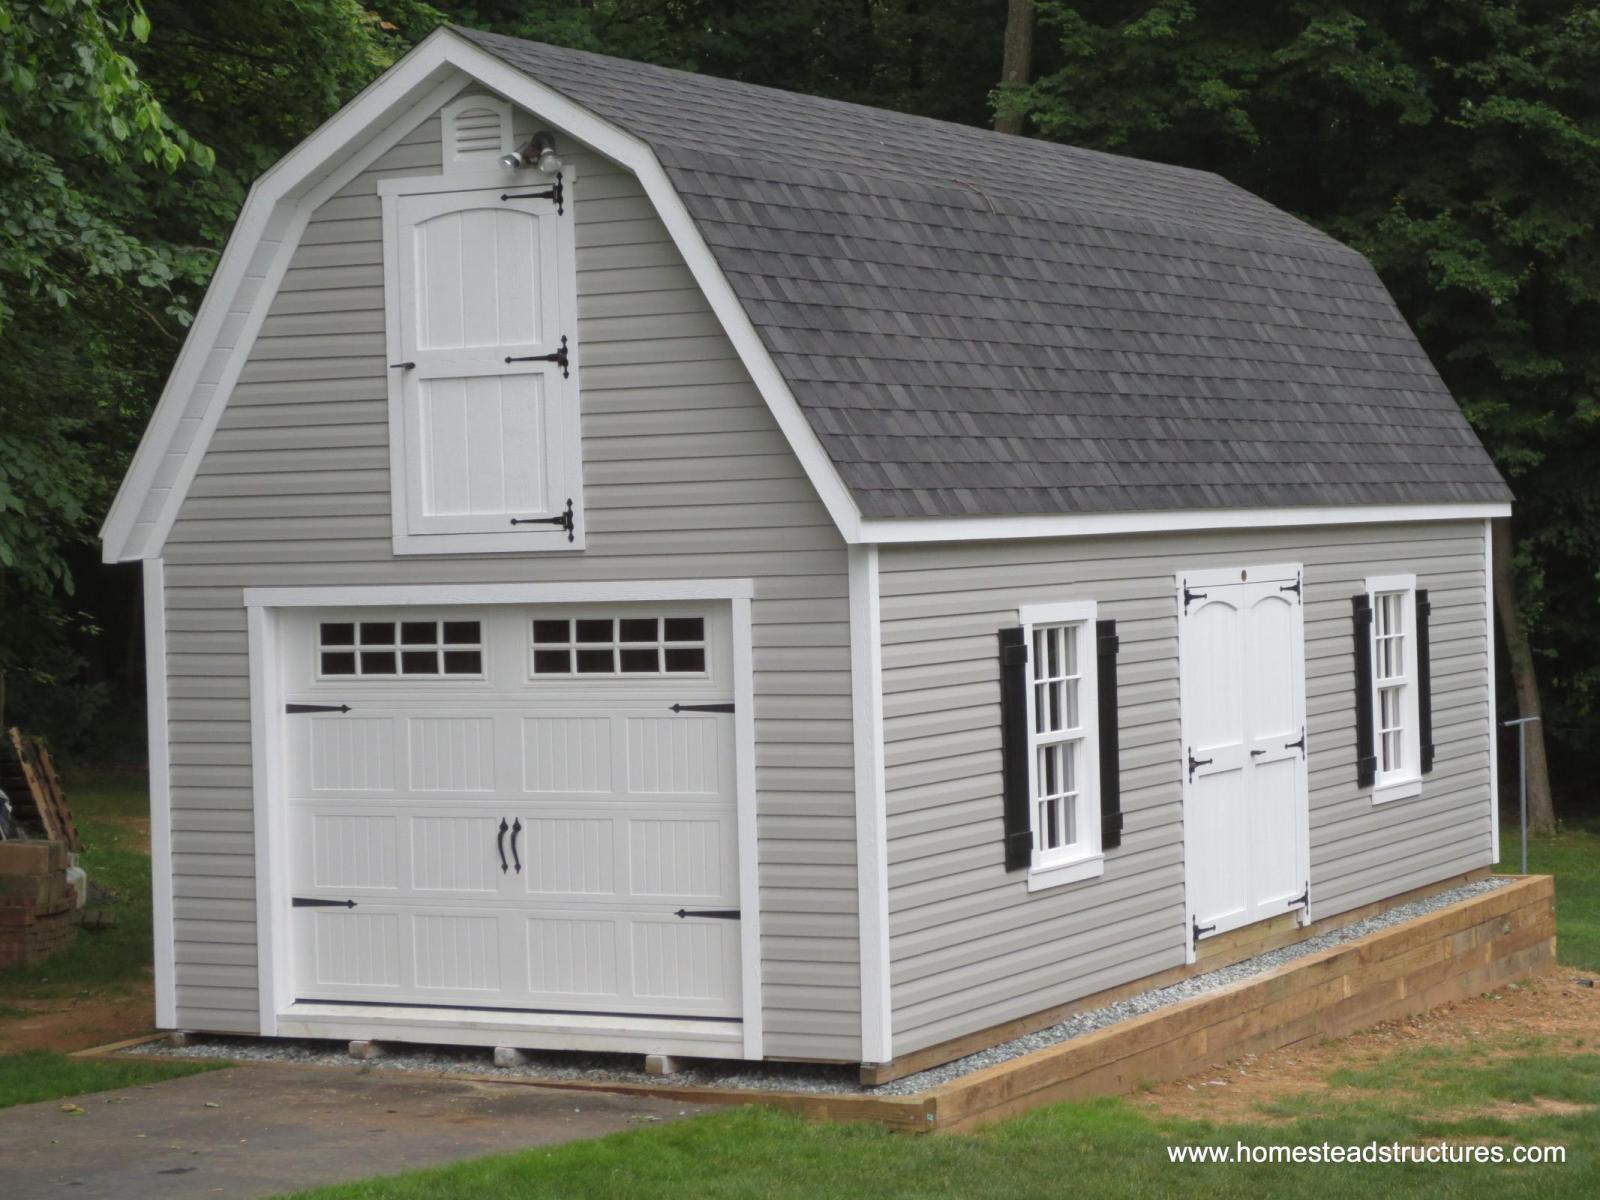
point(516, 830)
point(500, 841)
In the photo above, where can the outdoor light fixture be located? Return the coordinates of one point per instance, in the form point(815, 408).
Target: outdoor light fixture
point(538, 151)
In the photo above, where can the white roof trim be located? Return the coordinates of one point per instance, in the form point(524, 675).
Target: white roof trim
point(972, 529)
point(275, 213)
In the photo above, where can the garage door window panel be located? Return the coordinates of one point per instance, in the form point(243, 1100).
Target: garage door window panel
point(411, 649)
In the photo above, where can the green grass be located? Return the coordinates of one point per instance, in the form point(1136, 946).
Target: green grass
point(38, 1075)
point(110, 959)
point(1099, 1148)
point(1573, 857)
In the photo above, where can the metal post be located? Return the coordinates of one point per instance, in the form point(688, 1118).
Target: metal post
point(1522, 724)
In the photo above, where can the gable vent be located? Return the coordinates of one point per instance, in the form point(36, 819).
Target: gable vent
point(477, 131)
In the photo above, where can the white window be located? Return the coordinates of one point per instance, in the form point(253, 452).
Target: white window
point(415, 649)
point(1396, 739)
point(482, 359)
point(1063, 743)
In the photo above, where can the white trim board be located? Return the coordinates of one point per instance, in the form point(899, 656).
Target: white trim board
point(160, 783)
point(277, 1009)
point(1494, 717)
point(971, 529)
point(872, 836)
point(283, 200)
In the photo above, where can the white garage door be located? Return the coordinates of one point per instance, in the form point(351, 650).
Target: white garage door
point(522, 808)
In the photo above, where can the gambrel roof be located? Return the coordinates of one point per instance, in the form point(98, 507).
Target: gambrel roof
point(980, 324)
point(961, 334)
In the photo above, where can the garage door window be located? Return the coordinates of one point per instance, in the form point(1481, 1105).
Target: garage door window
point(400, 649)
point(619, 646)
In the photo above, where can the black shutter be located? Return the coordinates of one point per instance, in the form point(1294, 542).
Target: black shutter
point(1014, 748)
point(1366, 755)
point(1106, 645)
point(1424, 682)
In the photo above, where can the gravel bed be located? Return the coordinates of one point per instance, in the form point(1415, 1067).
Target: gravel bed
point(792, 1077)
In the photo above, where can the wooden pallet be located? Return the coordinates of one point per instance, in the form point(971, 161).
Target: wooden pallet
point(35, 770)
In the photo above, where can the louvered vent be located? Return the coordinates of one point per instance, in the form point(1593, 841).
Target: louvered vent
point(477, 131)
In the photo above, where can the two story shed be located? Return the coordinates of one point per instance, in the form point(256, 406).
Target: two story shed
point(641, 562)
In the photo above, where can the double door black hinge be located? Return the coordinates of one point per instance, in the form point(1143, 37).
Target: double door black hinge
point(554, 192)
point(680, 708)
point(1293, 587)
point(319, 902)
point(565, 520)
point(1303, 900)
point(721, 914)
point(1189, 595)
point(309, 708)
point(559, 356)
point(1198, 929)
point(1196, 763)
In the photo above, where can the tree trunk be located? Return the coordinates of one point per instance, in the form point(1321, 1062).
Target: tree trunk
point(1018, 61)
point(1525, 681)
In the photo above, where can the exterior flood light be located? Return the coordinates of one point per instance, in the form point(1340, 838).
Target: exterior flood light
point(538, 151)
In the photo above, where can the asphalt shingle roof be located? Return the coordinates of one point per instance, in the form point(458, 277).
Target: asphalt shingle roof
point(977, 324)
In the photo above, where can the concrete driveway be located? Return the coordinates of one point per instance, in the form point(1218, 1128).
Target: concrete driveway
point(259, 1131)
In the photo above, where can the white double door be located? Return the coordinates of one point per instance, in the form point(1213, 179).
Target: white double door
point(512, 840)
point(1241, 653)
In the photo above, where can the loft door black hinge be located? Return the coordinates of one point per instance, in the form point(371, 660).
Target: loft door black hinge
point(565, 521)
point(1189, 595)
point(677, 708)
point(319, 902)
point(1293, 587)
point(721, 914)
point(554, 192)
point(558, 356)
point(1199, 929)
point(305, 708)
point(1303, 900)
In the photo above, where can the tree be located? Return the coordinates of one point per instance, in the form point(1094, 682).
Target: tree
point(1015, 67)
point(1457, 144)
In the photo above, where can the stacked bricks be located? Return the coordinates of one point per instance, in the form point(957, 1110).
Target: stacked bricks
point(38, 910)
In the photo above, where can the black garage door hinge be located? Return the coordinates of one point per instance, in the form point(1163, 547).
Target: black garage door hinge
point(722, 914)
point(701, 708)
point(319, 902)
point(305, 708)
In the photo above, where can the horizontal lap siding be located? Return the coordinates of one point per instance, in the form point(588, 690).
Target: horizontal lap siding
point(970, 946)
point(685, 475)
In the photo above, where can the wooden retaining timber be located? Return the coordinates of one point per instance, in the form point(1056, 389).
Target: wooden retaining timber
point(1456, 952)
point(1214, 953)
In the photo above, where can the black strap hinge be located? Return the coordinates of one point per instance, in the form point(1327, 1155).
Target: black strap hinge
point(1199, 929)
point(305, 708)
point(558, 356)
point(1303, 900)
point(554, 192)
point(1196, 763)
point(677, 708)
point(721, 914)
point(405, 366)
point(1300, 745)
point(1293, 587)
point(1189, 596)
point(319, 902)
point(565, 521)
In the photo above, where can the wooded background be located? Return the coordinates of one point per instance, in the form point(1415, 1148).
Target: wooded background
point(1455, 142)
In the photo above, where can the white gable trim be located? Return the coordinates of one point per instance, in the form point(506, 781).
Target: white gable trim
point(269, 229)
point(976, 529)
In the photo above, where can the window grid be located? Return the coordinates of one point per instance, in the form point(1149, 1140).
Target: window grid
point(599, 646)
point(1389, 653)
point(408, 649)
point(1058, 734)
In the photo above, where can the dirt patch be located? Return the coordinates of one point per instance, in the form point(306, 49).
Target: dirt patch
point(1551, 1011)
point(78, 1022)
point(134, 832)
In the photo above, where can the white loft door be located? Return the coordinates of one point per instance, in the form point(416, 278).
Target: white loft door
point(505, 836)
point(478, 284)
point(1242, 667)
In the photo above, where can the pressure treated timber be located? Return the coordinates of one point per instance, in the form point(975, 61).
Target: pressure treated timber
point(1456, 952)
point(1214, 953)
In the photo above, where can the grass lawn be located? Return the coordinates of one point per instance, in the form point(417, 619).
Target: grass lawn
point(40, 1075)
point(1098, 1148)
point(107, 807)
point(1573, 857)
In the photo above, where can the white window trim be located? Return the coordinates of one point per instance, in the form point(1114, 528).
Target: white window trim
point(1087, 859)
point(1405, 784)
point(565, 389)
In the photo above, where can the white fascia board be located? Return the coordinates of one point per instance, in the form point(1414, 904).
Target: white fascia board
point(981, 529)
point(321, 164)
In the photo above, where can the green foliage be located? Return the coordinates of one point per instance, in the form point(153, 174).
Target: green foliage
point(1455, 142)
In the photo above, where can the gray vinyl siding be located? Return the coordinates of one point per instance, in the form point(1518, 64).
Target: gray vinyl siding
point(686, 475)
point(970, 946)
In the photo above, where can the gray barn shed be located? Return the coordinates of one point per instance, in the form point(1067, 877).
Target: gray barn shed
point(641, 562)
